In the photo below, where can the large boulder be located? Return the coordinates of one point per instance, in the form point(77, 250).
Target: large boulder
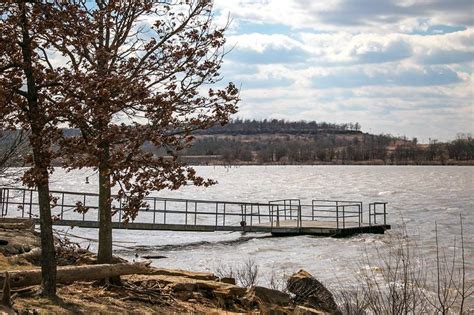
point(311, 293)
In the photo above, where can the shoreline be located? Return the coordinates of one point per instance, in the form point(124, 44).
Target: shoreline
point(158, 291)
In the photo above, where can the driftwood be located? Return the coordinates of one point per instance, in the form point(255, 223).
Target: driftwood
point(70, 274)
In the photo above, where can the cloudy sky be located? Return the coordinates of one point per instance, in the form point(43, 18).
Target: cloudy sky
point(401, 67)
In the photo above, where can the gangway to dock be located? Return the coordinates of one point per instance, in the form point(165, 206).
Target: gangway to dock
point(282, 217)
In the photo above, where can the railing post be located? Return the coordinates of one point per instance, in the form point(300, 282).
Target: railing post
point(154, 210)
point(270, 215)
point(217, 211)
point(278, 215)
point(385, 213)
point(360, 214)
point(31, 203)
point(7, 202)
point(62, 206)
point(186, 214)
point(84, 204)
point(370, 214)
point(258, 210)
point(375, 213)
point(23, 204)
point(223, 217)
point(344, 217)
point(164, 213)
point(337, 215)
point(251, 214)
point(195, 212)
point(300, 221)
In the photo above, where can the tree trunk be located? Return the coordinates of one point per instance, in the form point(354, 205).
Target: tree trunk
point(70, 274)
point(41, 161)
point(104, 255)
point(48, 254)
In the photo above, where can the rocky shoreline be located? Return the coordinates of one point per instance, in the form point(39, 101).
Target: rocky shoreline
point(159, 291)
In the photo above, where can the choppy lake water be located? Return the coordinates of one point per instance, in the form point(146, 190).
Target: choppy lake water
point(417, 195)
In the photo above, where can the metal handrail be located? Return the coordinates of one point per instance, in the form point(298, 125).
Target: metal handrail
point(163, 210)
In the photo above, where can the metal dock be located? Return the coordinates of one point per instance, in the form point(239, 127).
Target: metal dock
point(279, 217)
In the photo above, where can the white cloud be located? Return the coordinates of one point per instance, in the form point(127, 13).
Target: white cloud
point(403, 67)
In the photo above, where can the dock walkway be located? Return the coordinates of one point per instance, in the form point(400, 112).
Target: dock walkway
point(278, 217)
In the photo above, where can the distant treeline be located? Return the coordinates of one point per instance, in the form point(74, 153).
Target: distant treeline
point(328, 148)
point(252, 127)
point(283, 142)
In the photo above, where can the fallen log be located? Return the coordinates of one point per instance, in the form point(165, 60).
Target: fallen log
point(35, 253)
point(69, 274)
point(17, 224)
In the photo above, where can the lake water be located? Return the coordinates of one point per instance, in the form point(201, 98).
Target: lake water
point(420, 196)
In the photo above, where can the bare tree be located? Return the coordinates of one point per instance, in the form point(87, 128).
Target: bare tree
point(13, 150)
point(131, 82)
point(25, 92)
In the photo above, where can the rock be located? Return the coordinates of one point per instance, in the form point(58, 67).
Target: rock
point(262, 295)
point(228, 280)
point(303, 310)
point(6, 310)
point(309, 292)
point(184, 273)
point(18, 241)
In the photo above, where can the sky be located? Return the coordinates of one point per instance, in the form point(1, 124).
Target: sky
point(399, 67)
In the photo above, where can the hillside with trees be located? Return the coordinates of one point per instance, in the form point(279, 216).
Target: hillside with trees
point(284, 142)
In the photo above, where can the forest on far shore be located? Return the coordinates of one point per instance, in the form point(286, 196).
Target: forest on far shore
point(284, 142)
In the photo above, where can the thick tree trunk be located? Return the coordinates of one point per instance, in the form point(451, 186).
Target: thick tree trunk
point(70, 274)
point(41, 160)
point(48, 254)
point(104, 255)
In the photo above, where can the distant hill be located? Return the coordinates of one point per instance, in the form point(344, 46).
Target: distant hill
point(284, 142)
